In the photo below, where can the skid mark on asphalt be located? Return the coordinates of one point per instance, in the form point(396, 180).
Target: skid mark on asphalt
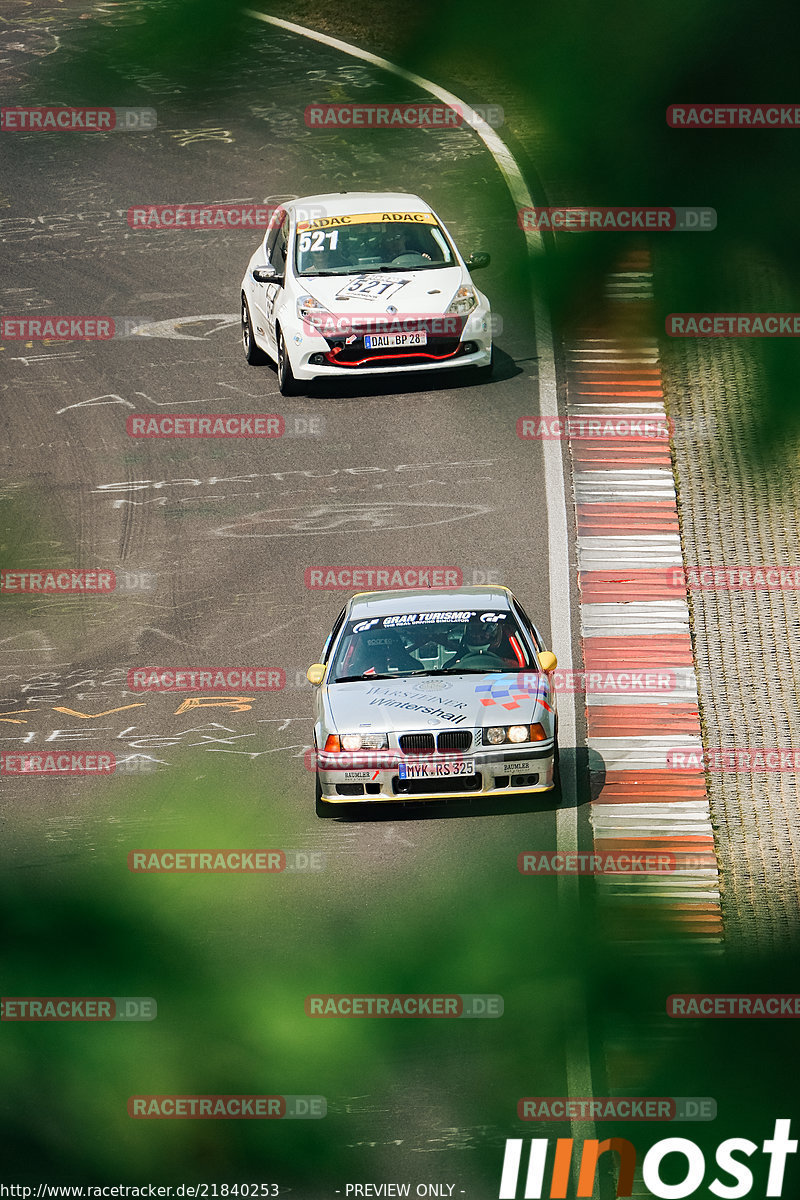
point(350, 518)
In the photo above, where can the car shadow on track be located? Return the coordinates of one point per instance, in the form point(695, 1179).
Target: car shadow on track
point(392, 385)
point(574, 764)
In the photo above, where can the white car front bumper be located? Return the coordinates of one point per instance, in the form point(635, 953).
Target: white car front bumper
point(311, 358)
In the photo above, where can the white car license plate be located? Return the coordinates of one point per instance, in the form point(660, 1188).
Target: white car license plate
point(384, 341)
point(448, 768)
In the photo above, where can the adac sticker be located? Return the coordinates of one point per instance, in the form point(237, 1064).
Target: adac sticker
point(347, 219)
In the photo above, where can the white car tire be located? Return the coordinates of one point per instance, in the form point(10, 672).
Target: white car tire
point(252, 352)
point(287, 384)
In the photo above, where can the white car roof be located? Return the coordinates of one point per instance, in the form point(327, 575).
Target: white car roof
point(428, 600)
point(338, 204)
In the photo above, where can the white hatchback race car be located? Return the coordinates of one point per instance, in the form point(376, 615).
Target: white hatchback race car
point(424, 695)
point(357, 283)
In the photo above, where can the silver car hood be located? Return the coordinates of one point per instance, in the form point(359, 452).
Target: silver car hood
point(435, 702)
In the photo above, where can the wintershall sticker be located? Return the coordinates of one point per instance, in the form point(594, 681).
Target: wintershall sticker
point(57, 581)
point(239, 425)
point(747, 759)
point(380, 578)
point(733, 116)
point(575, 428)
point(753, 324)
point(78, 1008)
point(63, 763)
point(203, 679)
point(616, 862)
point(200, 216)
point(81, 120)
point(404, 1005)
point(57, 329)
point(734, 1005)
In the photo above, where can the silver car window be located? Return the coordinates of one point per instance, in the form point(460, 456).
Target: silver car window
point(476, 640)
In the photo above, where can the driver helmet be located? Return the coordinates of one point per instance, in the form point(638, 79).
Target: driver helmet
point(483, 635)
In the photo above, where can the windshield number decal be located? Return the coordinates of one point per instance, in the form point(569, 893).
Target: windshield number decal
point(371, 287)
point(316, 241)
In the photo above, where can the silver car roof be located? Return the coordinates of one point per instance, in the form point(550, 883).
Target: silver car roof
point(429, 600)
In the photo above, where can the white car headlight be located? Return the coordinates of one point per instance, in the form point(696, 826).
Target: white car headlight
point(464, 301)
point(365, 741)
point(311, 312)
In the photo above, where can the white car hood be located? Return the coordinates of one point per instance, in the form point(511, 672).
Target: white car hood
point(427, 292)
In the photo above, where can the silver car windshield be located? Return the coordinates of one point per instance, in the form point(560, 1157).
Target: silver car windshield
point(368, 246)
point(471, 642)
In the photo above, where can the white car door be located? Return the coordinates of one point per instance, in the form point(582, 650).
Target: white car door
point(265, 295)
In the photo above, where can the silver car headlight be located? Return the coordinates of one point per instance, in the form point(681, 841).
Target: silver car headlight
point(499, 735)
point(464, 301)
point(365, 741)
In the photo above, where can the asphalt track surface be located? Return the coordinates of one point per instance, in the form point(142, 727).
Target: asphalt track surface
point(213, 538)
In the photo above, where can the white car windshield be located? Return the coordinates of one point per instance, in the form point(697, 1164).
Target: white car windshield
point(468, 642)
point(367, 244)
